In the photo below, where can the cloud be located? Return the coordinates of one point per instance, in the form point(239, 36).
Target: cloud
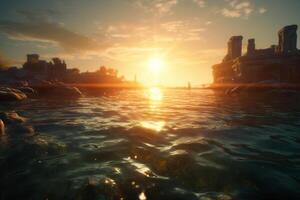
point(163, 33)
point(160, 7)
point(230, 13)
point(240, 8)
point(182, 30)
point(38, 29)
point(237, 8)
point(41, 14)
point(262, 10)
point(200, 3)
point(208, 23)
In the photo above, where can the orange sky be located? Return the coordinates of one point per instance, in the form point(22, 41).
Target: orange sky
point(188, 35)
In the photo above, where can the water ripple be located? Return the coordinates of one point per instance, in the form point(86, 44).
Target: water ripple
point(156, 144)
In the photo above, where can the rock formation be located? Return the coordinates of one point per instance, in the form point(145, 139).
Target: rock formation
point(279, 63)
point(12, 117)
point(16, 125)
point(2, 128)
point(57, 91)
point(9, 94)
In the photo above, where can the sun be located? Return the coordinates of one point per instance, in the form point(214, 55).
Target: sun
point(155, 65)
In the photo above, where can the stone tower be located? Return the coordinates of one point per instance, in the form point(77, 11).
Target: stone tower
point(33, 58)
point(288, 40)
point(234, 48)
point(251, 47)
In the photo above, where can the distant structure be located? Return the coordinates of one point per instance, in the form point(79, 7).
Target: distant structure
point(35, 70)
point(280, 63)
point(288, 40)
point(54, 70)
point(189, 85)
point(234, 48)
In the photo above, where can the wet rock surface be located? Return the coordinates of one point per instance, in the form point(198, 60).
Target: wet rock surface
point(38, 89)
point(16, 125)
point(27, 90)
point(12, 117)
point(2, 128)
point(52, 89)
point(9, 94)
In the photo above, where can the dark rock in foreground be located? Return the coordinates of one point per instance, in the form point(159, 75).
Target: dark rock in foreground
point(52, 89)
point(2, 128)
point(30, 92)
point(9, 94)
point(16, 125)
point(12, 117)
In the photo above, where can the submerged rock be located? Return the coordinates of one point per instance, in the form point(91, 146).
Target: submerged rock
point(2, 128)
point(22, 129)
point(12, 117)
point(16, 124)
point(9, 94)
point(68, 91)
point(27, 90)
point(234, 90)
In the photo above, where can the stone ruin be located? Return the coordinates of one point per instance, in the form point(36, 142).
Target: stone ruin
point(234, 48)
point(280, 63)
point(41, 69)
point(288, 39)
point(251, 47)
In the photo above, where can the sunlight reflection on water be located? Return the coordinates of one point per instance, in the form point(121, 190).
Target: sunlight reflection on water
point(156, 126)
point(155, 95)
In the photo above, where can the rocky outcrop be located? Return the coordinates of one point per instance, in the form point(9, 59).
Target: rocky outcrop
point(2, 128)
point(39, 89)
point(43, 88)
point(30, 92)
point(12, 117)
point(16, 125)
point(10, 94)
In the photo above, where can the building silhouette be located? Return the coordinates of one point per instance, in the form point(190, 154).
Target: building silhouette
point(280, 63)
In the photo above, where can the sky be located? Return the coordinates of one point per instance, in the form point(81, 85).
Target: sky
point(187, 36)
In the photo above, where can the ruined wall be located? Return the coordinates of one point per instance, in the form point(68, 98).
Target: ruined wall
point(251, 47)
point(223, 72)
point(288, 40)
point(278, 63)
point(234, 46)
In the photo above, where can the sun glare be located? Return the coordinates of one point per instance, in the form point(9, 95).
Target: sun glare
point(155, 64)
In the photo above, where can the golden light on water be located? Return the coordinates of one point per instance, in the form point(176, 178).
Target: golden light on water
point(155, 94)
point(153, 125)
